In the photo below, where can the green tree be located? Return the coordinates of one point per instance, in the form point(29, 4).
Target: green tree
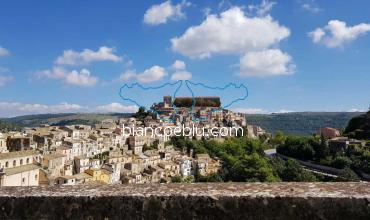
point(176, 179)
point(341, 162)
point(294, 172)
point(348, 175)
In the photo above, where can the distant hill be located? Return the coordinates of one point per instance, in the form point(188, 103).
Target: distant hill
point(61, 119)
point(301, 123)
point(7, 126)
point(359, 127)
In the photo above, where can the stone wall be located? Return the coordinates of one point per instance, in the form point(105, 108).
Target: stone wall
point(189, 201)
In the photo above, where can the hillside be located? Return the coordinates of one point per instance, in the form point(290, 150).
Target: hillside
point(7, 126)
point(301, 123)
point(359, 127)
point(61, 119)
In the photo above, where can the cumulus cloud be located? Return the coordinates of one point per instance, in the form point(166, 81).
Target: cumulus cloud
point(250, 110)
point(266, 63)
point(161, 13)
point(3, 51)
point(180, 72)
point(5, 79)
point(231, 32)
point(55, 73)
point(178, 65)
point(181, 75)
point(82, 78)
point(74, 77)
point(155, 73)
point(117, 107)
point(336, 33)
point(12, 109)
point(71, 57)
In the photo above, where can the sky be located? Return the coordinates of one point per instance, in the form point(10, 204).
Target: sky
point(293, 55)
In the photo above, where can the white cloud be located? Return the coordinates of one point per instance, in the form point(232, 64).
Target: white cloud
point(337, 33)
point(356, 110)
point(161, 13)
point(152, 74)
point(270, 62)
point(284, 111)
point(117, 107)
point(82, 78)
point(178, 65)
point(74, 77)
point(180, 72)
point(250, 110)
point(317, 35)
point(311, 6)
point(255, 39)
point(231, 32)
point(5, 79)
point(3, 51)
point(262, 9)
point(55, 73)
point(71, 57)
point(12, 109)
point(181, 75)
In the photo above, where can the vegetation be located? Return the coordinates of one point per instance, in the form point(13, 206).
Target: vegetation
point(359, 127)
point(304, 123)
point(243, 160)
point(356, 158)
point(62, 119)
point(291, 171)
point(7, 126)
point(153, 146)
point(348, 175)
point(301, 123)
point(141, 114)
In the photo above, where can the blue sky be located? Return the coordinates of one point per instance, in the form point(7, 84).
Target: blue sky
point(73, 56)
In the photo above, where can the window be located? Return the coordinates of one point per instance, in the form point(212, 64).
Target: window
point(21, 162)
point(28, 160)
point(23, 180)
point(6, 164)
point(14, 163)
point(36, 177)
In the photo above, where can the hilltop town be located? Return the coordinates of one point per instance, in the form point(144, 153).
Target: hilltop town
point(104, 154)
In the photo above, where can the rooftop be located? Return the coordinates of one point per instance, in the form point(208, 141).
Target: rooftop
point(20, 169)
point(53, 156)
point(16, 154)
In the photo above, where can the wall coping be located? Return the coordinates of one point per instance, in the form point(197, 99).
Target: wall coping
point(286, 189)
point(189, 201)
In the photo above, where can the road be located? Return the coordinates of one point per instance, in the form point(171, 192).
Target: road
point(306, 165)
point(270, 152)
